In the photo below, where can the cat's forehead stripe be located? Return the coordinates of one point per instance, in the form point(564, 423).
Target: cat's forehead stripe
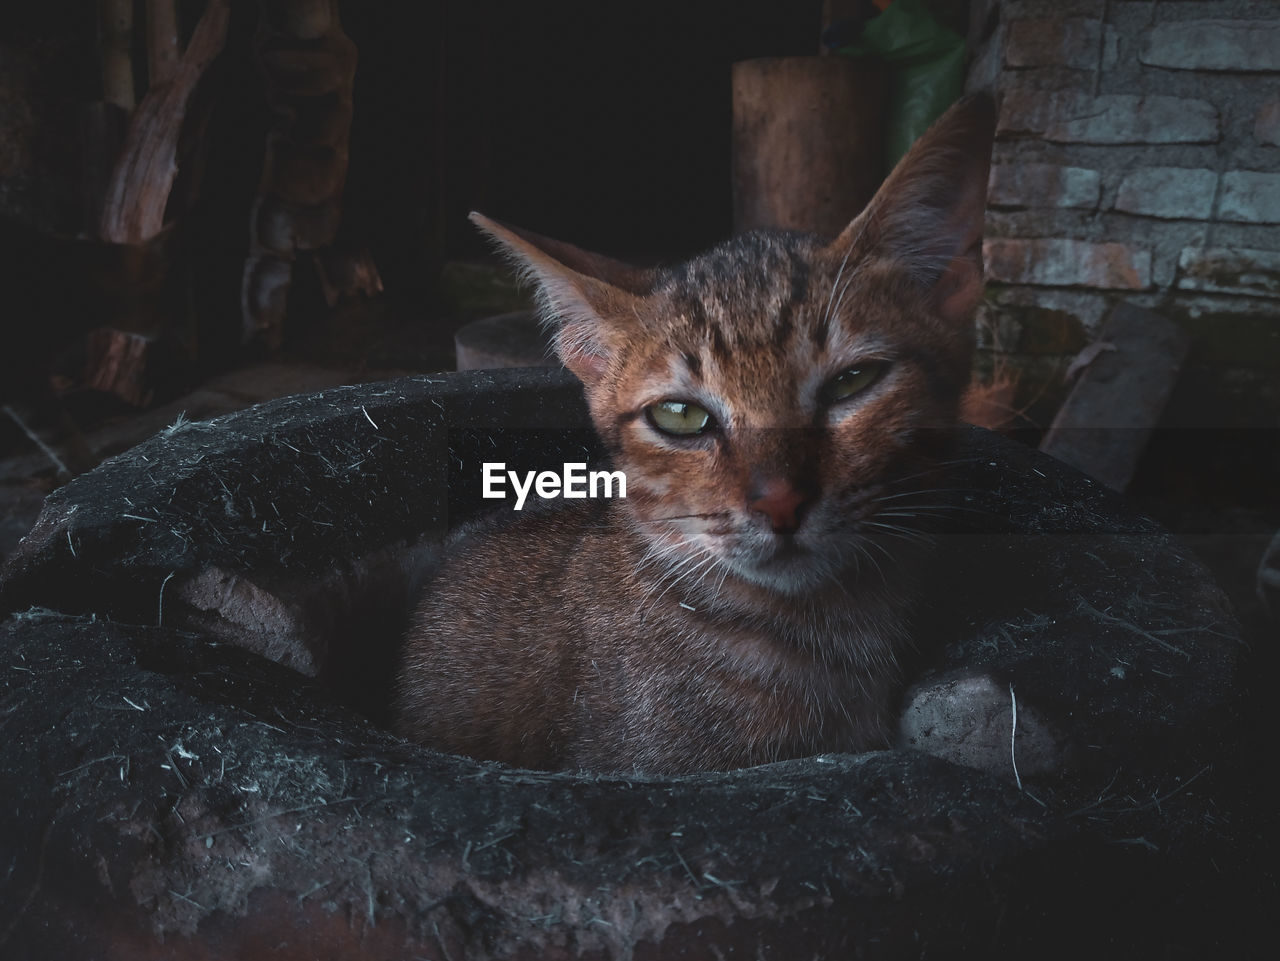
point(693, 310)
point(785, 327)
point(719, 346)
point(799, 280)
point(746, 293)
point(820, 331)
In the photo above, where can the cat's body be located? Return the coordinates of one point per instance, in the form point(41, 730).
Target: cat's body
point(781, 407)
point(582, 658)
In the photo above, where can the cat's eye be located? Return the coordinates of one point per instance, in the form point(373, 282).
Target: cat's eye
point(850, 382)
point(679, 418)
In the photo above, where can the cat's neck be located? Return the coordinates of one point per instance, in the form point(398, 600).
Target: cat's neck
point(837, 623)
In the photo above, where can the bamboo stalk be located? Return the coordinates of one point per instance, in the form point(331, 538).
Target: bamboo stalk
point(162, 41)
point(115, 30)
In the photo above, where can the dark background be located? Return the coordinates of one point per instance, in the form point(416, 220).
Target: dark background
point(604, 124)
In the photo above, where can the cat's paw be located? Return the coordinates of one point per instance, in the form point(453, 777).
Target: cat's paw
point(969, 719)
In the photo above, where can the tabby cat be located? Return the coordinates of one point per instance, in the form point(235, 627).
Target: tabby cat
point(781, 407)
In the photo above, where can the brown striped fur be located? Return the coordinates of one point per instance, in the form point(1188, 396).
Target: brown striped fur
point(750, 600)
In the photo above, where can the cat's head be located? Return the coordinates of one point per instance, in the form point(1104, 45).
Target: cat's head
point(776, 401)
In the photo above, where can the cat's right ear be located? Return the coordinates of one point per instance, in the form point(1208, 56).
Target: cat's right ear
point(588, 300)
point(927, 216)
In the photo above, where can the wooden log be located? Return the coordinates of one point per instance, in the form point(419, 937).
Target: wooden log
point(116, 362)
point(308, 68)
point(305, 174)
point(133, 210)
point(302, 19)
point(1128, 375)
point(806, 142)
point(347, 274)
point(264, 290)
point(308, 65)
point(281, 228)
point(132, 304)
point(320, 119)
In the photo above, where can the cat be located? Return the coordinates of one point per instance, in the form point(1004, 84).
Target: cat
point(781, 407)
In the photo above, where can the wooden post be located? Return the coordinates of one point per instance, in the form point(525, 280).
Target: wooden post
point(806, 142)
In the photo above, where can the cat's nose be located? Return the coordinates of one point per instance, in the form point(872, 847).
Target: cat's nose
point(781, 503)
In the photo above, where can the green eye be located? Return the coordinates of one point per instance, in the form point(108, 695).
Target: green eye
point(678, 418)
point(850, 382)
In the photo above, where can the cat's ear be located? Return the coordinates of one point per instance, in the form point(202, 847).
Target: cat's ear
point(927, 216)
point(588, 300)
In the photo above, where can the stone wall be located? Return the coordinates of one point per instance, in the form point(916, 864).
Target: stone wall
point(1137, 159)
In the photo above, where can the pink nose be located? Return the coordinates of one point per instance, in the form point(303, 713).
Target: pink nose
point(781, 503)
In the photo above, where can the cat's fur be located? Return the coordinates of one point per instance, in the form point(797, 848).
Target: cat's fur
point(750, 600)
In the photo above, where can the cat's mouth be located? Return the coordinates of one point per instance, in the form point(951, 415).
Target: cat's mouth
point(790, 563)
point(794, 577)
point(787, 550)
point(784, 563)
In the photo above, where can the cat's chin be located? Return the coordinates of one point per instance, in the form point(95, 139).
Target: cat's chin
point(793, 573)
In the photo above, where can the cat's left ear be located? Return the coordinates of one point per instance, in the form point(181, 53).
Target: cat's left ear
point(588, 300)
point(928, 214)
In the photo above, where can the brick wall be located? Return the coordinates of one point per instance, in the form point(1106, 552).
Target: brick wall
point(1138, 159)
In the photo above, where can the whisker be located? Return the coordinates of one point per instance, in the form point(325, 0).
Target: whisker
point(839, 300)
point(703, 557)
point(711, 569)
point(680, 517)
point(933, 470)
point(924, 490)
point(828, 314)
point(724, 572)
point(861, 547)
point(657, 552)
point(938, 466)
point(931, 508)
point(671, 571)
point(951, 461)
point(871, 542)
point(904, 533)
point(709, 559)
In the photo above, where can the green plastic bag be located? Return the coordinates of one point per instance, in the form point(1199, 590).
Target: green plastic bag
point(926, 69)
